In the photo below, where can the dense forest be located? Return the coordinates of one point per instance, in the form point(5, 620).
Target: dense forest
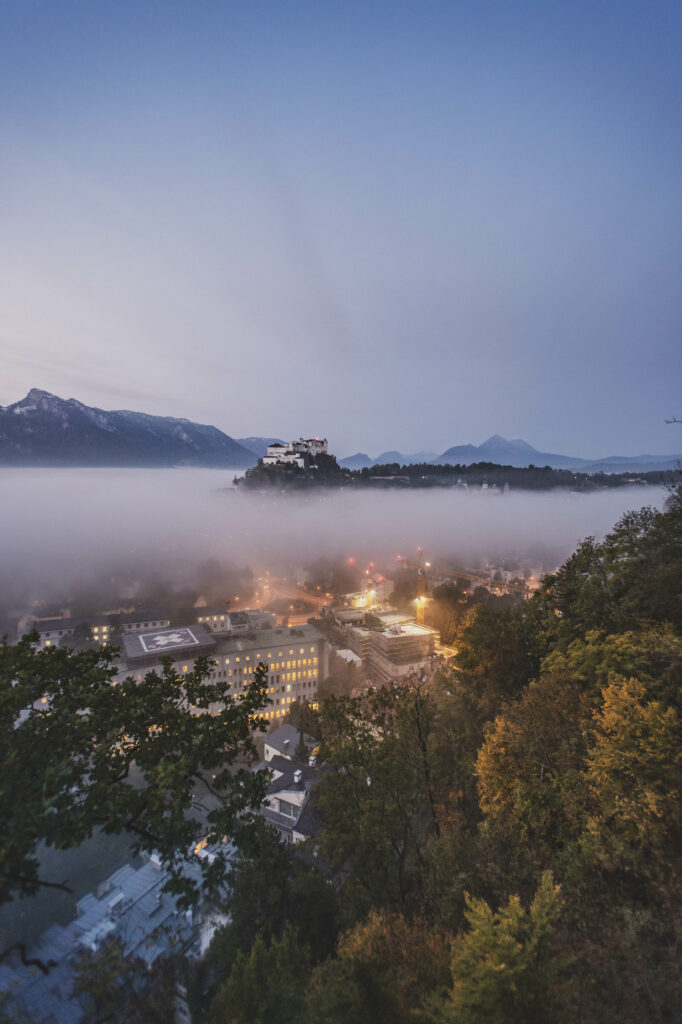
point(327, 473)
point(502, 846)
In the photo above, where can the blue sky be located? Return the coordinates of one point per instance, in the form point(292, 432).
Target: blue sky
point(401, 225)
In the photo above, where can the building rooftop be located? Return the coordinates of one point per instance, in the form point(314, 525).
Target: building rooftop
point(349, 656)
point(132, 908)
point(146, 615)
point(268, 638)
point(286, 770)
point(188, 640)
point(285, 740)
point(408, 629)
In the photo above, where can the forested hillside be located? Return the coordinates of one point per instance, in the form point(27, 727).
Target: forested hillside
point(503, 846)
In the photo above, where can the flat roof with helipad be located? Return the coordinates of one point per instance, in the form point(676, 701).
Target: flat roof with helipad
point(192, 640)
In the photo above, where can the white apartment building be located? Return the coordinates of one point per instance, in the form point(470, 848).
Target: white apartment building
point(296, 657)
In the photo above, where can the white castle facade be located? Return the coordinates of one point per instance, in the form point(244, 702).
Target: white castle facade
point(295, 452)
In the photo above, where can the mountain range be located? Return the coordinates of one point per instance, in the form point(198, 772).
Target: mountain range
point(516, 452)
point(44, 430)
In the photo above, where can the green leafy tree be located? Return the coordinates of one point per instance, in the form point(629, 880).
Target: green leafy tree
point(80, 752)
point(530, 766)
point(120, 989)
point(267, 985)
point(498, 654)
point(381, 802)
point(270, 888)
point(502, 967)
point(385, 970)
point(635, 773)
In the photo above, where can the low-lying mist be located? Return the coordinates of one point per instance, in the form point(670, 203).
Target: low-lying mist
point(61, 525)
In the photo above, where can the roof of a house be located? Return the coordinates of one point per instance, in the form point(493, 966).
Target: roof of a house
point(286, 775)
point(286, 739)
point(132, 908)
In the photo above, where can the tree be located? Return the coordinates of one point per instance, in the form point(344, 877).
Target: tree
point(502, 969)
point(267, 985)
point(269, 888)
point(80, 752)
point(498, 653)
point(385, 970)
point(529, 769)
point(635, 773)
point(120, 989)
point(79, 638)
point(381, 802)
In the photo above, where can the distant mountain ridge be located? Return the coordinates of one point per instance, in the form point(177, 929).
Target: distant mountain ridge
point(517, 452)
point(44, 430)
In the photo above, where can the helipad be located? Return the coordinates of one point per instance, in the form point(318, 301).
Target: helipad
point(168, 640)
point(149, 648)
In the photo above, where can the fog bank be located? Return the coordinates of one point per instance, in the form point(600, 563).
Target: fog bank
point(62, 524)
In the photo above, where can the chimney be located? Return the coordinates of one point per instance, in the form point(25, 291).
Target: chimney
point(297, 777)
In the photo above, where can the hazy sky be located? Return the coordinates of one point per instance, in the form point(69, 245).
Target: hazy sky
point(394, 224)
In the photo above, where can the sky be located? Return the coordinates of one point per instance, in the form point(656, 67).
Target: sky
point(396, 225)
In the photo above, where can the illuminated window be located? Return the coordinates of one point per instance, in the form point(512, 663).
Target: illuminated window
point(236, 659)
point(248, 657)
point(184, 668)
point(301, 650)
point(48, 643)
point(291, 651)
point(312, 650)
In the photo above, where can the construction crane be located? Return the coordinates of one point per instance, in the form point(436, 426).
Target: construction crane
point(422, 580)
point(421, 567)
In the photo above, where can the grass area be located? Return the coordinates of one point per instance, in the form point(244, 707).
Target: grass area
point(82, 868)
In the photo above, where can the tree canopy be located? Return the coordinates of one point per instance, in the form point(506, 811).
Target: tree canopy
point(164, 759)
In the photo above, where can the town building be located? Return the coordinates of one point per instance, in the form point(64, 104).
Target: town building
point(288, 805)
point(131, 907)
point(391, 645)
point(397, 652)
point(217, 619)
point(296, 657)
point(52, 631)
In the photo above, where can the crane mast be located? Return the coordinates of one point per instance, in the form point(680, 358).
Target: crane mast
point(422, 582)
